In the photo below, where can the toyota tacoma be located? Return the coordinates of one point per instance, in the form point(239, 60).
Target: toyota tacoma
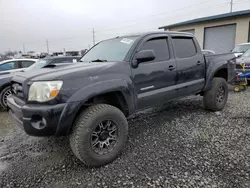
point(90, 101)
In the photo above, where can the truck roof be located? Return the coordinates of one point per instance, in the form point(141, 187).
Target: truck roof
point(156, 32)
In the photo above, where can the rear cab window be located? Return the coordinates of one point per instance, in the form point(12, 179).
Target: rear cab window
point(184, 47)
point(160, 47)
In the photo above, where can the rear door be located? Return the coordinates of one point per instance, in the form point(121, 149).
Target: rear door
point(26, 63)
point(190, 65)
point(155, 80)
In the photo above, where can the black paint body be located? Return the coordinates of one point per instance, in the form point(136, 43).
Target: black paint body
point(147, 85)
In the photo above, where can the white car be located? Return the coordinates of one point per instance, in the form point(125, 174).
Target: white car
point(241, 49)
point(14, 65)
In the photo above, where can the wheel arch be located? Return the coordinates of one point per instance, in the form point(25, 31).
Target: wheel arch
point(73, 109)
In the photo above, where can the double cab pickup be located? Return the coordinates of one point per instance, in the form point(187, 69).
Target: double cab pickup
point(91, 100)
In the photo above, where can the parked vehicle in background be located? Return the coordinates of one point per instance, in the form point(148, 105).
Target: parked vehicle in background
point(33, 54)
point(241, 49)
point(90, 100)
point(57, 54)
point(243, 60)
point(207, 52)
point(246, 54)
point(72, 53)
point(5, 80)
point(7, 68)
point(43, 55)
point(24, 56)
point(13, 65)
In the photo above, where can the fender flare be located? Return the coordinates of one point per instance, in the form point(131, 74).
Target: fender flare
point(102, 87)
point(211, 71)
point(76, 101)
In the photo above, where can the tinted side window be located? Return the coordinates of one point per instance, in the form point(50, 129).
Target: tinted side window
point(9, 66)
point(72, 60)
point(184, 47)
point(26, 64)
point(160, 47)
point(65, 60)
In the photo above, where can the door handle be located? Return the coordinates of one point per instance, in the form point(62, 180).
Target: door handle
point(198, 63)
point(171, 67)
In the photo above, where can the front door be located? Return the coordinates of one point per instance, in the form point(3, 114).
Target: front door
point(9, 67)
point(155, 80)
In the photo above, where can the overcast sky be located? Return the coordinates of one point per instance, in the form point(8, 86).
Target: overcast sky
point(68, 23)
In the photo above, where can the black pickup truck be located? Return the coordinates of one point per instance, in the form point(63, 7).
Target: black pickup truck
point(90, 100)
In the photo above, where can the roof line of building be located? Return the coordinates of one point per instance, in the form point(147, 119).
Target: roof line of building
point(209, 18)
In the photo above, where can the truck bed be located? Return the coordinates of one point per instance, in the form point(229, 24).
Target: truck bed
point(229, 60)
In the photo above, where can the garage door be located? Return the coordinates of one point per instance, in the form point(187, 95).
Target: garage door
point(189, 31)
point(220, 39)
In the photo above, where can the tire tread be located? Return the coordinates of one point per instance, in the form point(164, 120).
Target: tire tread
point(81, 124)
point(209, 98)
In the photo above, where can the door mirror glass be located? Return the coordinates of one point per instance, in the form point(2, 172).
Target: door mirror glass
point(145, 55)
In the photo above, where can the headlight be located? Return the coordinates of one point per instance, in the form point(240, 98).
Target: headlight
point(44, 91)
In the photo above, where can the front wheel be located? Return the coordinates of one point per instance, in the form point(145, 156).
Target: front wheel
point(3, 96)
point(215, 99)
point(99, 134)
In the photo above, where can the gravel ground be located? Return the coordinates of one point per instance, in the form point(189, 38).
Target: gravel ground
point(175, 145)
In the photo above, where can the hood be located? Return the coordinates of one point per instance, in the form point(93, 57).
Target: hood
point(59, 72)
point(243, 60)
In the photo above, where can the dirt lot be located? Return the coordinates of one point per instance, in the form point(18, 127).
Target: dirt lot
point(175, 145)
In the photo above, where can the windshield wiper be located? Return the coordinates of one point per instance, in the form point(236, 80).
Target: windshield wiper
point(99, 60)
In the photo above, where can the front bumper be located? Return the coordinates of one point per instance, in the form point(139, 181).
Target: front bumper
point(42, 120)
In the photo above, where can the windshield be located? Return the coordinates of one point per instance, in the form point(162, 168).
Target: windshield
point(241, 48)
point(39, 64)
point(246, 54)
point(110, 50)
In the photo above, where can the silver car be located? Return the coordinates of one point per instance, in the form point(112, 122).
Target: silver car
point(14, 65)
point(7, 69)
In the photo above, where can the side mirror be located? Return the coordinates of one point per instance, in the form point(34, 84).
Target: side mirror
point(145, 55)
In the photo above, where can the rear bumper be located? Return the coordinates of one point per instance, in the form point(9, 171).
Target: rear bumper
point(42, 120)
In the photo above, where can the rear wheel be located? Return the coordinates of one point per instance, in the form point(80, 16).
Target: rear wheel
point(99, 134)
point(3, 96)
point(215, 99)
